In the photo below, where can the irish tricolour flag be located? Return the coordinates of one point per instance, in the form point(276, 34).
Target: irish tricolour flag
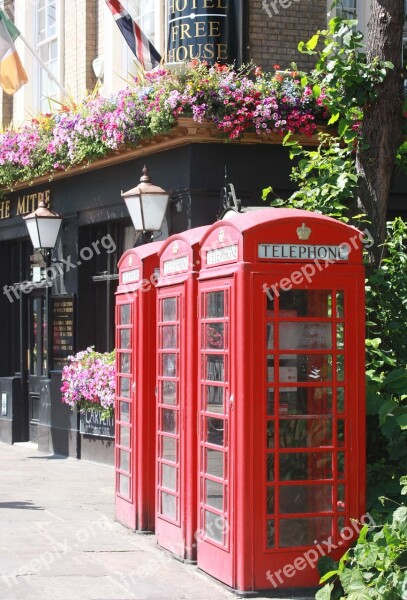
point(12, 74)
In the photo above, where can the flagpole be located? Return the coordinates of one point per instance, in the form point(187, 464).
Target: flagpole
point(43, 65)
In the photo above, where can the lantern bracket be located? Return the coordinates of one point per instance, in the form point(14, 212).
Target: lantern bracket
point(228, 199)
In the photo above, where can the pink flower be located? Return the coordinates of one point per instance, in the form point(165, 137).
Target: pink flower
point(89, 377)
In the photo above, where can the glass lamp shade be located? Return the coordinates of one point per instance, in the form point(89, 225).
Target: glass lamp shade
point(43, 227)
point(147, 211)
point(147, 204)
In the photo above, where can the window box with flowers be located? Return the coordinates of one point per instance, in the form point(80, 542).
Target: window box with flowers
point(163, 107)
point(89, 385)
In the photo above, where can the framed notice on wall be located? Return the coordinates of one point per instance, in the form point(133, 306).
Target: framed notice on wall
point(62, 330)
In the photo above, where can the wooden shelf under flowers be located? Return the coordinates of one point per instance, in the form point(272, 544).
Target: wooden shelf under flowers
point(185, 131)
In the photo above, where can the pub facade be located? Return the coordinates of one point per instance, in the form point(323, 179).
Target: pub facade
point(50, 312)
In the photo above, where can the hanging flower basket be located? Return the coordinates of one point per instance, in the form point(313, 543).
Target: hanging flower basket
point(89, 382)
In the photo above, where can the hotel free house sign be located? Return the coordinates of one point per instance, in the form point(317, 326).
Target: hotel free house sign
point(203, 30)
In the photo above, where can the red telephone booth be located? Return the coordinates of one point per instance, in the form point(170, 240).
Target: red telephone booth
point(176, 507)
point(135, 385)
point(281, 397)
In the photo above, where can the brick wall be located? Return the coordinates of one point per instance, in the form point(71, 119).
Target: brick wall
point(276, 27)
point(6, 109)
point(81, 32)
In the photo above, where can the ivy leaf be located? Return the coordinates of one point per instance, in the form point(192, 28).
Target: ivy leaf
point(401, 560)
point(374, 343)
point(400, 519)
point(363, 533)
point(328, 576)
point(334, 118)
point(402, 421)
point(327, 564)
point(316, 90)
point(266, 192)
point(286, 138)
point(342, 181)
point(355, 587)
point(386, 409)
point(361, 593)
point(403, 589)
point(396, 381)
point(331, 64)
point(343, 126)
point(312, 43)
point(325, 593)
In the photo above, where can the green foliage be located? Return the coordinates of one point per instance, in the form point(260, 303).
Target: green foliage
point(401, 158)
point(327, 182)
point(386, 368)
point(326, 177)
point(344, 75)
point(375, 568)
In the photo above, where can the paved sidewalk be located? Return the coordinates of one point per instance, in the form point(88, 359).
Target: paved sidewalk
point(59, 540)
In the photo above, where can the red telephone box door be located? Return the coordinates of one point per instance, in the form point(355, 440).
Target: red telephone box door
point(170, 428)
point(308, 429)
point(215, 428)
point(124, 450)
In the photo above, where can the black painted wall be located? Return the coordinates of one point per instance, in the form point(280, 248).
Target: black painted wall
point(91, 203)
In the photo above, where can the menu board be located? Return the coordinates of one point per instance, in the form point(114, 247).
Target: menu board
point(91, 423)
point(62, 330)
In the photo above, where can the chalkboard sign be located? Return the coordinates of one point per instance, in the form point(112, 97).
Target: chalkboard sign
point(62, 330)
point(91, 423)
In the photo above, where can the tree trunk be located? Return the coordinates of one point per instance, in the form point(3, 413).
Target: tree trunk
point(382, 120)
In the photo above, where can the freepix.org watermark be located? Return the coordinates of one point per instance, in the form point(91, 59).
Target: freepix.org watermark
point(308, 271)
point(163, 561)
point(59, 268)
point(273, 7)
point(57, 549)
point(310, 557)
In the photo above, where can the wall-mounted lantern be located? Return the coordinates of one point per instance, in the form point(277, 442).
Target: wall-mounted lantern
point(43, 228)
point(147, 205)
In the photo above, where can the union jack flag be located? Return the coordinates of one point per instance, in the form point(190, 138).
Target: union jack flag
point(139, 44)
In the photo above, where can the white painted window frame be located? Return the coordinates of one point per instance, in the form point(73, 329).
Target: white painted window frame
point(119, 62)
point(43, 104)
